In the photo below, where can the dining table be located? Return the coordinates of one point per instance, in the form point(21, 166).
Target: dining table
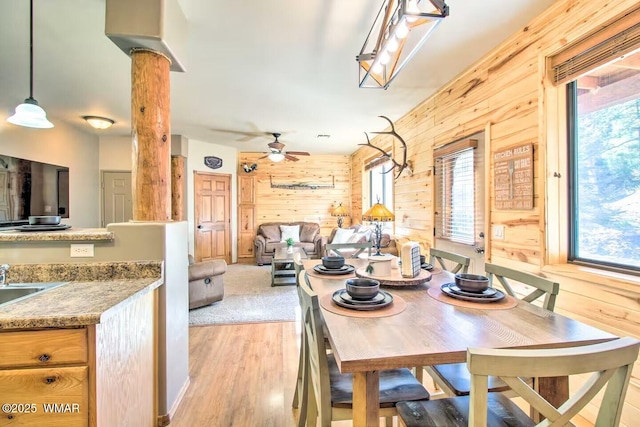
point(429, 331)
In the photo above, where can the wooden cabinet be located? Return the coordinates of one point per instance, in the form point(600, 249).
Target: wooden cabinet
point(44, 378)
point(95, 375)
point(246, 217)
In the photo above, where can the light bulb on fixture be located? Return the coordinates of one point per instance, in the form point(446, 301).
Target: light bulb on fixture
point(402, 30)
point(384, 57)
point(276, 157)
point(97, 122)
point(412, 8)
point(377, 68)
point(392, 45)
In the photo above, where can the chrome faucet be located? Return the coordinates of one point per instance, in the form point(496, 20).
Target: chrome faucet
point(3, 274)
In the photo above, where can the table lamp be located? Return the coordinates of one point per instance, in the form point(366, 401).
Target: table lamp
point(340, 212)
point(378, 214)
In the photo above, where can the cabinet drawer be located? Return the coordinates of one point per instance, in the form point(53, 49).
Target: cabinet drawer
point(53, 397)
point(43, 348)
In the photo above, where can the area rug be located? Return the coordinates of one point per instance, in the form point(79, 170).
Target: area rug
point(249, 298)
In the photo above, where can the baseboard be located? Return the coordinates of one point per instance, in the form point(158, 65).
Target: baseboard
point(165, 420)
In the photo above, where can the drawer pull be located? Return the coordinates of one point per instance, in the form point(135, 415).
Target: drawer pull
point(50, 380)
point(44, 358)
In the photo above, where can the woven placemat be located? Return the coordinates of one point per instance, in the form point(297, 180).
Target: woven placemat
point(508, 301)
point(397, 306)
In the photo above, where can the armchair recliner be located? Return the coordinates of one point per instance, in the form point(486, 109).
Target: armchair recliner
point(205, 282)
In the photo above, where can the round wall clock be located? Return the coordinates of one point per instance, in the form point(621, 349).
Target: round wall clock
point(213, 162)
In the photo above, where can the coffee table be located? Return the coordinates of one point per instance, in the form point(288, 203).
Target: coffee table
point(282, 269)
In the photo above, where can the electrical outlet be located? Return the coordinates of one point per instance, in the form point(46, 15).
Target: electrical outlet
point(498, 232)
point(81, 251)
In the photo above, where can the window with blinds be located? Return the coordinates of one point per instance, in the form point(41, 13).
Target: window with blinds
point(456, 183)
point(617, 38)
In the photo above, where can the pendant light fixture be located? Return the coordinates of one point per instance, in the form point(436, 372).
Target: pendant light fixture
point(30, 114)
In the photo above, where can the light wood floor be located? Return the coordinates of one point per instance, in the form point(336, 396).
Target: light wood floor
point(241, 375)
point(244, 375)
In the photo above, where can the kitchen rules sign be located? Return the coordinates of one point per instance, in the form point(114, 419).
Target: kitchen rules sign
point(513, 177)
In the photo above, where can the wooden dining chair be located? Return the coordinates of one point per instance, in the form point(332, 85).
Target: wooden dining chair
point(454, 378)
point(610, 364)
point(330, 393)
point(461, 262)
point(354, 249)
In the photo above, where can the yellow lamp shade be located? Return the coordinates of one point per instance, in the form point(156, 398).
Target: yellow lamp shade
point(378, 213)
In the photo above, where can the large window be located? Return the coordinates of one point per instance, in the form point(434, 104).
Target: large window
point(604, 164)
point(456, 192)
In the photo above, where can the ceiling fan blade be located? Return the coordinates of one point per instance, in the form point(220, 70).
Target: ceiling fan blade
point(247, 136)
point(298, 153)
point(288, 157)
point(264, 157)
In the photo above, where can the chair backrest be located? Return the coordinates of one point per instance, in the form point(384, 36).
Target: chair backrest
point(336, 248)
point(610, 363)
point(297, 264)
point(316, 365)
point(462, 262)
point(543, 287)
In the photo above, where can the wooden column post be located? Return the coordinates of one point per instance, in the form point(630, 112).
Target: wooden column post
point(177, 188)
point(151, 136)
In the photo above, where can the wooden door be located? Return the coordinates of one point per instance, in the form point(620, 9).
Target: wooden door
point(116, 197)
point(212, 216)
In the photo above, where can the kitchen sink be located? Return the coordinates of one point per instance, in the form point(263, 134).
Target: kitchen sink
point(19, 291)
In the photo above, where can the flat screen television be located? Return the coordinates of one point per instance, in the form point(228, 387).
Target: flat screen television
point(31, 188)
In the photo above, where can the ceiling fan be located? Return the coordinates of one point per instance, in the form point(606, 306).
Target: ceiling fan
point(277, 154)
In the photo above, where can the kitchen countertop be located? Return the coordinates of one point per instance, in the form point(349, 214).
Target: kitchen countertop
point(70, 234)
point(75, 303)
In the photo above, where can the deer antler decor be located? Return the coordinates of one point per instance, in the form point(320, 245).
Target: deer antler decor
point(400, 166)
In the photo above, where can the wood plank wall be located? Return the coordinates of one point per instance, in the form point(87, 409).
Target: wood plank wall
point(503, 94)
point(279, 204)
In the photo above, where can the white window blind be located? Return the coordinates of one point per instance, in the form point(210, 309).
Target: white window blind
point(456, 192)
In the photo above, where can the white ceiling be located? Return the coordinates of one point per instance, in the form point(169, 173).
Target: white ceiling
point(252, 66)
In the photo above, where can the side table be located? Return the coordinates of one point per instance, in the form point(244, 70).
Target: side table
point(282, 269)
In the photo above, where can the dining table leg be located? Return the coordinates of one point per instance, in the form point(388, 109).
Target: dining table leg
point(366, 399)
point(554, 389)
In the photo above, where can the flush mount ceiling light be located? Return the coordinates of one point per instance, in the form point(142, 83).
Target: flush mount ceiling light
point(30, 114)
point(99, 122)
point(399, 30)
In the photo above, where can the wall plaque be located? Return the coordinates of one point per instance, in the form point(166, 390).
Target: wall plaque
point(513, 177)
point(213, 162)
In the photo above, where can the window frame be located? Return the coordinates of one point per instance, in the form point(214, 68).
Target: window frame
point(445, 156)
point(572, 191)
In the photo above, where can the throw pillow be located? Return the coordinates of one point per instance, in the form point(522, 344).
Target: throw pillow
point(271, 232)
point(290, 231)
point(342, 235)
point(309, 232)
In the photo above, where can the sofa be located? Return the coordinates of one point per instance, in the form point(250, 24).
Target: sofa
point(270, 237)
point(360, 234)
point(205, 282)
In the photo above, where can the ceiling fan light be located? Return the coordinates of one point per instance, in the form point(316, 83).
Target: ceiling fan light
point(99, 122)
point(31, 115)
point(276, 157)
